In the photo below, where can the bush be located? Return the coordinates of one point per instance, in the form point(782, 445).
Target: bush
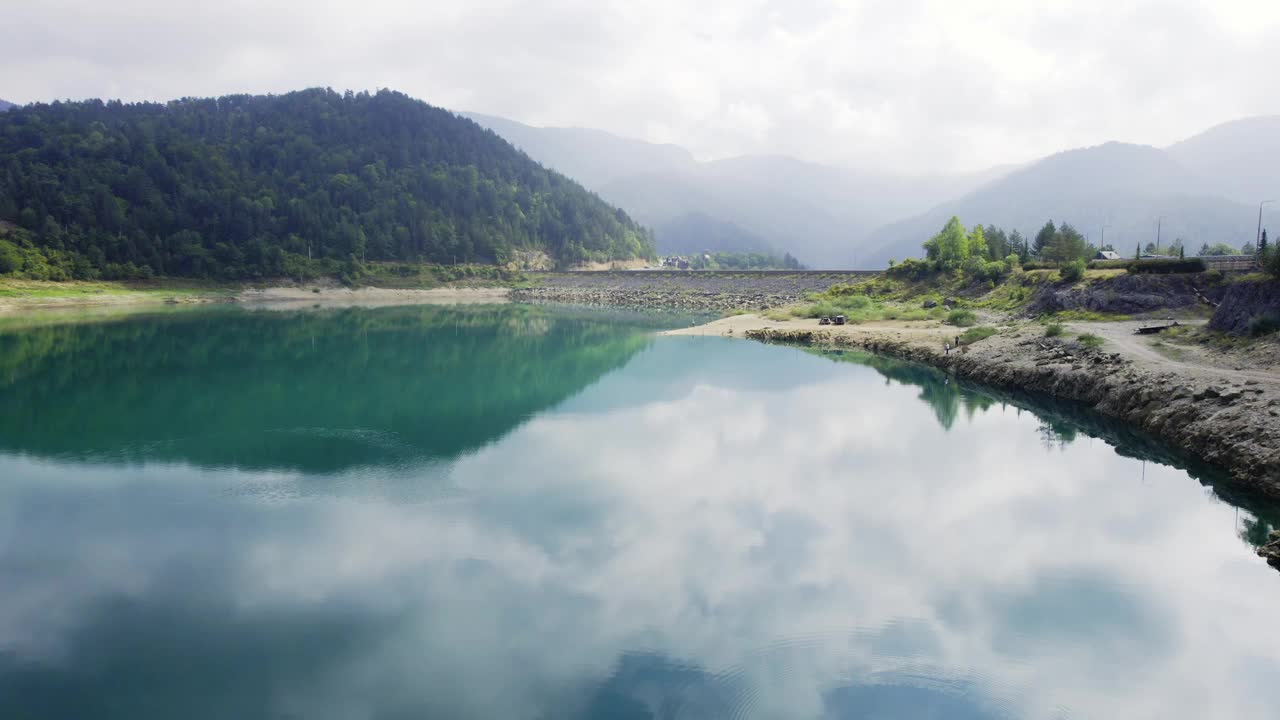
point(911, 269)
point(962, 318)
point(1053, 330)
point(973, 335)
point(981, 270)
point(1072, 271)
point(1110, 264)
point(1189, 265)
point(10, 258)
point(1265, 324)
point(1038, 265)
point(1089, 340)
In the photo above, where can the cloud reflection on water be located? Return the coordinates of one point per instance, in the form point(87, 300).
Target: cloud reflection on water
point(683, 539)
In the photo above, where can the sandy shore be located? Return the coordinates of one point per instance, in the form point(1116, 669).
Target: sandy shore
point(370, 297)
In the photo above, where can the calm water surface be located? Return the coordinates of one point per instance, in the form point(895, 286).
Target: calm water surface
point(530, 513)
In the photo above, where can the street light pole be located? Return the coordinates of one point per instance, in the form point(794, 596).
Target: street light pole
point(1159, 223)
point(1258, 239)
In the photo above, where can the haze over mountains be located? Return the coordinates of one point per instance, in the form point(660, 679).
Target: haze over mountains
point(5, 105)
point(1200, 190)
point(815, 211)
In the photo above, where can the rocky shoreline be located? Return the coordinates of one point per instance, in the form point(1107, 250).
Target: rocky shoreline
point(1233, 425)
point(655, 299)
point(710, 291)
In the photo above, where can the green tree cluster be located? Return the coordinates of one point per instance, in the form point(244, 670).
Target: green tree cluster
point(250, 186)
point(1061, 244)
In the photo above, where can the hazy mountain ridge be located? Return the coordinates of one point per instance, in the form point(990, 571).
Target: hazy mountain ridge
point(817, 212)
point(1239, 158)
point(697, 232)
point(837, 217)
point(1135, 191)
point(5, 105)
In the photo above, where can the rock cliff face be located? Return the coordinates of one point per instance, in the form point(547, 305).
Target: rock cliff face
point(1130, 294)
point(1243, 302)
point(1233, 426)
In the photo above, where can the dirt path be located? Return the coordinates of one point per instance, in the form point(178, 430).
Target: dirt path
point(1120, 337)
point(1196, 364)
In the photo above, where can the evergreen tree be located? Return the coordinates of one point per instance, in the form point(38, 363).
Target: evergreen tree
point(1044, 238)
point(251, 186)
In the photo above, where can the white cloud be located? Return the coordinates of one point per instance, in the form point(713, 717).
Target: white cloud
point(918, 85)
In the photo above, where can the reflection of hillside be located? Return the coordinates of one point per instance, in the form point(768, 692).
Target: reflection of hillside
point(313, 391)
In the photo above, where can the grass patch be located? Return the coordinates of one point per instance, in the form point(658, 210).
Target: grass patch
point(974, 334)
point(1089, 340)
point(1053, 330)
point(1085, 316)
point(962, 318)
point(777, 315)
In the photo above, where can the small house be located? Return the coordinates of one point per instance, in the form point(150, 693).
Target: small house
point(1107, 255)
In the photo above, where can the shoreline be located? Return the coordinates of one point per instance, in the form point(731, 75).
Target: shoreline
point(77, 296)
point(1224, 417)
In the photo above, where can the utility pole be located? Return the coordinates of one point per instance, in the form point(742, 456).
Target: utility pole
point(1103, 243)
point(1259, 237)
point(1159, 222)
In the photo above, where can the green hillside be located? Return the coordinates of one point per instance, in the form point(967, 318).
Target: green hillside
point(249, 186)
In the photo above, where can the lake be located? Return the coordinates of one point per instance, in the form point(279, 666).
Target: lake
point(531, 512)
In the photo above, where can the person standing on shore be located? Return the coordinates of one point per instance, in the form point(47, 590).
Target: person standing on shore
point(946, 348)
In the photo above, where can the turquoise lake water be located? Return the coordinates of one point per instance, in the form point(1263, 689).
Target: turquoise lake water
point(528, 512)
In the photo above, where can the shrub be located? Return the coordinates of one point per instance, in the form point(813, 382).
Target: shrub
point(973, 335)
point(1038, 265)
point(10, 258)
point(1072, 271)
point(1054, 330)
point(1265, 324)
point(981, 270)
point(1110, 264)
point(962, 318)
point(911, 269)
point(1089, 340)
point(1011, 261)
point(1189, 265)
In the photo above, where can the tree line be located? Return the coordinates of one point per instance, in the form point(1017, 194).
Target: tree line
point(988, 252)
point(250, 186)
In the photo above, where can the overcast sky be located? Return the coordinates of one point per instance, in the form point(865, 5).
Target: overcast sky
point(913, 85)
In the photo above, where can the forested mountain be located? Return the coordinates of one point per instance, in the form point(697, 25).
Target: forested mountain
point(1238, 158)
point(819, 213)
point(245, 186)
point(5, 105)
point(1134, 191)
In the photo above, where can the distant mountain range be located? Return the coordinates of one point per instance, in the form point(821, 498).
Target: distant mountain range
point(1203, 189)
point(5, 105)
point(817, 212)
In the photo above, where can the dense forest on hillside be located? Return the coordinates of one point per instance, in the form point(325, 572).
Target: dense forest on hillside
point(250, 186)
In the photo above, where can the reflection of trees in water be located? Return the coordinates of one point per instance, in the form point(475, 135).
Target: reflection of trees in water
point(938, 390)
point(1055, 432)
point(315, 391)
point(1060, 423)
